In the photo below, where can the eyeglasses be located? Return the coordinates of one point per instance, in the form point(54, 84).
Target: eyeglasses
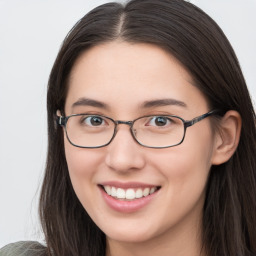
point(152, 131)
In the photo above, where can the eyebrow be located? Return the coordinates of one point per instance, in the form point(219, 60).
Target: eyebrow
point(163, 102)
point(147, 104)
point(89, 102)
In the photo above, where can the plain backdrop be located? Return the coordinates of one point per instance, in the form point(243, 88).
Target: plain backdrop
point(31, 32)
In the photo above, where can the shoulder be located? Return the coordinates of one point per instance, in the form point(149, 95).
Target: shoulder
point(24, 248)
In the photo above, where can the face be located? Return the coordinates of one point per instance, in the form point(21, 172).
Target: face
point(122, 77)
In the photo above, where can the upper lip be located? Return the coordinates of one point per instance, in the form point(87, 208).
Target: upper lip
point(125, 185)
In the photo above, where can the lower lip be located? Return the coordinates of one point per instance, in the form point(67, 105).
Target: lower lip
point(127, 206)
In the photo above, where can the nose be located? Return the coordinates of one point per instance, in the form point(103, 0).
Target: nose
point(124, 154)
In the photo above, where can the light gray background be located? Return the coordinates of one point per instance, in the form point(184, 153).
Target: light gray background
point(31, 32)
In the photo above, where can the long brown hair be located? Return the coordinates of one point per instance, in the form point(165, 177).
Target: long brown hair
point(192, 37)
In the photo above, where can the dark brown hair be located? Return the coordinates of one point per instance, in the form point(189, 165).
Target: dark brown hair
point(193, 38)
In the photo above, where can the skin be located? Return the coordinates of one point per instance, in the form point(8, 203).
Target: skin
point(123, 76)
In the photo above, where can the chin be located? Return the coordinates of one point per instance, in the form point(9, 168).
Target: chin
point(128, 234)
point(124, 237)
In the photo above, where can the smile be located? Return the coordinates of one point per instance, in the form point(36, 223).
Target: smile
point(129, 193)
point(128, 197)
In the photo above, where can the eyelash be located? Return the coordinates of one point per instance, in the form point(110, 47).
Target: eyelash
point(154, 119)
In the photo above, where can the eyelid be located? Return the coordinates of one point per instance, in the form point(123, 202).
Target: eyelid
point(89, 117)
point(160, 113)
point(153, 119)
point(167, 115)
point(90, 114)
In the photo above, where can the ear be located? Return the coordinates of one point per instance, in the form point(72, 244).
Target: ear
point(227, 137)
point(58, 113)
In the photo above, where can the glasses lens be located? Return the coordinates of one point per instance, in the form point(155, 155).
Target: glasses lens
point(159, 131)
point(89, 130)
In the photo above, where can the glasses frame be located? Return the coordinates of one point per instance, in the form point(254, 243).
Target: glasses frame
point(62, 121)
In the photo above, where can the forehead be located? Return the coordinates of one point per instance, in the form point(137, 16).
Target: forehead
point(117, 58)
point(122, 74)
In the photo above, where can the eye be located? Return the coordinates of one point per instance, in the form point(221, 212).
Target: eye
point(93, 121)
point(159, 121)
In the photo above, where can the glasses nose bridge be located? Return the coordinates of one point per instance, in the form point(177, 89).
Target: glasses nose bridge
point(129, 123)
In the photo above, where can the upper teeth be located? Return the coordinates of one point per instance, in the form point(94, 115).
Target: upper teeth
point(129, 193)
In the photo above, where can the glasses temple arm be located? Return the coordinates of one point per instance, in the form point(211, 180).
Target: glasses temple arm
point(61, 120)
point(199, 118)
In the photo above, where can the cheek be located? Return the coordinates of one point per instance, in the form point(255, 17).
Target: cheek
point(81, 161)
point(196, 151)
point(82, 165)
point(186, 167)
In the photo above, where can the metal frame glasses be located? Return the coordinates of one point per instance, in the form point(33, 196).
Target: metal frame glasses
point(166, 131)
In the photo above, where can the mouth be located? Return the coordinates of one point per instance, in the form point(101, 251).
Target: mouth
point(129, 194)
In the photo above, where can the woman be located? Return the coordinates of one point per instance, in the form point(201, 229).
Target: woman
point(151, 138)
